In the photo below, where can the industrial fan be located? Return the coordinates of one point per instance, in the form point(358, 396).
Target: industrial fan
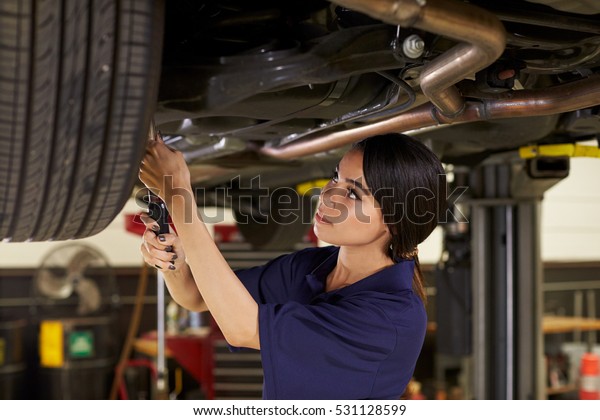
point(75, 274)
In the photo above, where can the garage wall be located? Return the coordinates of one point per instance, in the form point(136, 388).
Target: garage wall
point(570, 227)
point(570, 215)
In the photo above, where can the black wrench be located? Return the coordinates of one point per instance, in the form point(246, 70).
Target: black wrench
point(157, 209)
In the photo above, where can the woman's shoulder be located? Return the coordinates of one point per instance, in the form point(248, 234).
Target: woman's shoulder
point(403, 309)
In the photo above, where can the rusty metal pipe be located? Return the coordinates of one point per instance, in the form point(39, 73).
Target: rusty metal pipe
point(416, 118)
point(568, 97)
point(480, 33)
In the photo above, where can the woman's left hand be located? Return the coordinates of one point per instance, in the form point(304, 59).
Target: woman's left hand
point(163, 169)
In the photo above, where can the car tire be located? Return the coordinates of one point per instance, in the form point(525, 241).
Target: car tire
point(278, 222)
point(78, 86)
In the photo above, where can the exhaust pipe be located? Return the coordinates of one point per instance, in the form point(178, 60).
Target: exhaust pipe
point(480, 33)
point(568, 97)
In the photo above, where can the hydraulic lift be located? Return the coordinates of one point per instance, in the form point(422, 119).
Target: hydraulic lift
point(489, 288)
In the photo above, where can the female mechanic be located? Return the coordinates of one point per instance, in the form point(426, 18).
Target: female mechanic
point(345, 321)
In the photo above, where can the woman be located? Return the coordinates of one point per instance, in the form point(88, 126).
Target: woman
point(340, 322)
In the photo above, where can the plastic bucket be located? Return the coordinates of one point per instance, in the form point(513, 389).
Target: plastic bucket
point(76, 358)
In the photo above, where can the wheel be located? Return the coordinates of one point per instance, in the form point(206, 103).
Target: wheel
point(276, 222)
point(78, 86)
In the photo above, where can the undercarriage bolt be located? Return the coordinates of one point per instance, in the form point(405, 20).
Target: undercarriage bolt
point(413, 46)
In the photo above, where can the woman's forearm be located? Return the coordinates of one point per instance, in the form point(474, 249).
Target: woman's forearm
point(183, 289)
point(230, 304)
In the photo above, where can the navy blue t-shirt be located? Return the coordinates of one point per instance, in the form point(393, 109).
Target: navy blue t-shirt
point(361, 341)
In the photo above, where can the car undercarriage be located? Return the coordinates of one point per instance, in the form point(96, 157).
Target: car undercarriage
point(255, 84)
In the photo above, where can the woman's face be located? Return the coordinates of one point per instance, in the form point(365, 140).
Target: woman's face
point(348, 214)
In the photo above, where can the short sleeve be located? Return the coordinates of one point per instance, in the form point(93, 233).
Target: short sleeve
point(323, 351)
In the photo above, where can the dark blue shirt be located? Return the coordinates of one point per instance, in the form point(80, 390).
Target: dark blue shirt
point(361, 341)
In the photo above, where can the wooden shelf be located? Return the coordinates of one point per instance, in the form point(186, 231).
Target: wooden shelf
point(564, 324)
point(554, 324)
point(561, 390)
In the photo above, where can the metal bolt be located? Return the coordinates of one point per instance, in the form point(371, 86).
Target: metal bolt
point(412, 74)
point(413, 46)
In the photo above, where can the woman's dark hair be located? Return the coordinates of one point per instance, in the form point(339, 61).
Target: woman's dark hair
point(409, 183)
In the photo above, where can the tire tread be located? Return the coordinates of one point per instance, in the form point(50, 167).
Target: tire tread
point(73, 127)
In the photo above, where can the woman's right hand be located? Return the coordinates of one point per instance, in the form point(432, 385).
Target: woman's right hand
point(165, 251)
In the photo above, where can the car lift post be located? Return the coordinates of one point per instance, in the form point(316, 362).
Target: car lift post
point(507, 277)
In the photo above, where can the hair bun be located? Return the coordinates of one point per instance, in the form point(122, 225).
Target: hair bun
point(410, 255)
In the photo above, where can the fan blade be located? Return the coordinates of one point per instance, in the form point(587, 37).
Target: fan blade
point(79, 262)
point(53, 283)
point(89, 296)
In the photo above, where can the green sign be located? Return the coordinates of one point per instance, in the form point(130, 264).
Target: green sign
point(81, 344)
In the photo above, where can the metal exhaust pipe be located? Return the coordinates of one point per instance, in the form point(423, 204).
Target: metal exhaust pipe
point(480, 33)
point(568, 97)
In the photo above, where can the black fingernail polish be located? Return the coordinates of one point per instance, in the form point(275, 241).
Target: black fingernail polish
point(157, 266)
point(161, 238)
point(174, 257)
point(155, 228)
point(171, 267)
point(169, 248)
